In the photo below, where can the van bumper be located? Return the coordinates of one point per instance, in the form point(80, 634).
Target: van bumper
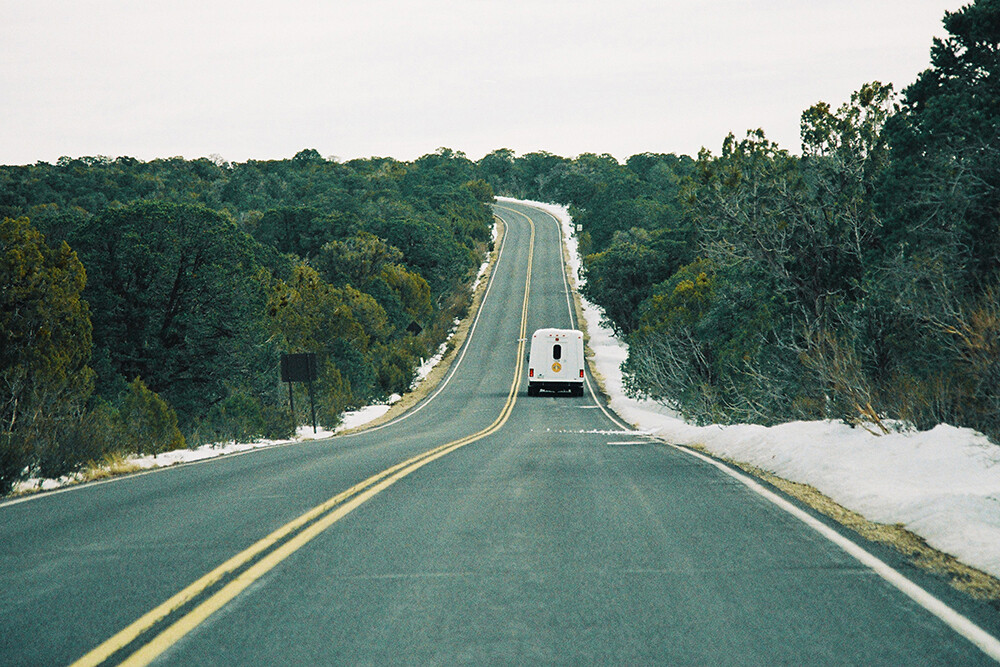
point(572, 387)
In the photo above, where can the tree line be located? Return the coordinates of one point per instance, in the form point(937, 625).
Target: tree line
point(858, 280)
point(144, 305)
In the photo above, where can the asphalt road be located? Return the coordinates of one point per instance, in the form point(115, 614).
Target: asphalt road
point(537, 531)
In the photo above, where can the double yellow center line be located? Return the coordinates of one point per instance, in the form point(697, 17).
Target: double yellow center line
point(252, 563)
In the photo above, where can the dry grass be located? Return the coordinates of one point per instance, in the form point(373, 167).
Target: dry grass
point(110, 465)
point(969, 580)
point(430, 383)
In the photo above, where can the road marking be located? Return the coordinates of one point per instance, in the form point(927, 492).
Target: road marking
point(983, 640)
point(292, 536)
point(572, 317)
point(458, 361)
point(965, 627)
point(415, 409)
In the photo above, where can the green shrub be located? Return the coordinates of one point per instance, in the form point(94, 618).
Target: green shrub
point(14, 457)
point(149, 424)
point(70, 445)
point(243, 417)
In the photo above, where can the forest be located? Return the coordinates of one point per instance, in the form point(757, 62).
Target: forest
point(144, 306)
point(857, 280)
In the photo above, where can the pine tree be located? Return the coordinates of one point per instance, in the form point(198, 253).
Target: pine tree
point(45, 343)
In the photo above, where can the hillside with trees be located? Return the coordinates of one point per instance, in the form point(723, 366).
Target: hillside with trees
point(858, 280)
point(146, 304)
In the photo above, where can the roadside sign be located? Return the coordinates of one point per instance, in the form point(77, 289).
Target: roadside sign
point(300, 368)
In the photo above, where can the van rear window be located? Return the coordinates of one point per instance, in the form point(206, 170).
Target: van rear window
point(557, 351)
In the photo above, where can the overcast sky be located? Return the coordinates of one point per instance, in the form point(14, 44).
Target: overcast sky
point(262, 80)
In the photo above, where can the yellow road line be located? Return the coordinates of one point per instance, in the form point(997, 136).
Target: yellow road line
point(590, 386)
point(130, 633)
point(334, 509)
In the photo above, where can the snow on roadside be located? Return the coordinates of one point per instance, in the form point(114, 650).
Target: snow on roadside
point(174, 457)
point(349, 420)
point(942, 484)
point(368, 413)
point(365, 414)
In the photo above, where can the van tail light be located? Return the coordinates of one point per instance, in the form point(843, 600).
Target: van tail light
point(581, 372)
point(531, 372)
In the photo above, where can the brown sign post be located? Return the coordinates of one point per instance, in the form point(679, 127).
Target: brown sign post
point(300, 368)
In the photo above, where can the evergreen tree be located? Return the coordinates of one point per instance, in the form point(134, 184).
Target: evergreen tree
point(180, 299)
point(45, 344)
point(942, 194)
point(149, 425)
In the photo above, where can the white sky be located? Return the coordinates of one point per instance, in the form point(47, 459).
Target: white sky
point(261, 80)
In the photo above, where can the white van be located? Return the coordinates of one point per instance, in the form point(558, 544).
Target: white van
point(555, 361)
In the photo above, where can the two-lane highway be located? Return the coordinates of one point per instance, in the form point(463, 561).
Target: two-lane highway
point(486, 527)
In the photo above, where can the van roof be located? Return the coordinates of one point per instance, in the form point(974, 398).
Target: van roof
point(557, 332)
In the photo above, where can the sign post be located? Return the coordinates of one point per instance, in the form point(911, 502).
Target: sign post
point(300, 368)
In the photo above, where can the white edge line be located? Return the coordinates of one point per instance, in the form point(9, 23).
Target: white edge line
point(983, 640)
point(572, 318)
point(986, 642)
point(79, 486)
point(458, 361)
point(420, 406)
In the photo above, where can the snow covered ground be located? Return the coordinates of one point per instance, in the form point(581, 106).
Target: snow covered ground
point(942, 484)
